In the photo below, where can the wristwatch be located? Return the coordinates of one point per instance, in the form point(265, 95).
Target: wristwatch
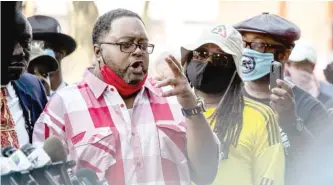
point(199, 109)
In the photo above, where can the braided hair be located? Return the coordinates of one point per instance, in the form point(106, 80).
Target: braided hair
point(229, 116)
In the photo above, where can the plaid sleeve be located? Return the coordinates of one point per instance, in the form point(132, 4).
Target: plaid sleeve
point(51, 122)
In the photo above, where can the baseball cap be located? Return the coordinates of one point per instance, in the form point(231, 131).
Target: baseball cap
point(224, 36)
point(44, 58)
point(303, 51)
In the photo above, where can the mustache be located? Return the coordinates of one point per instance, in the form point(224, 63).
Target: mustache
point(18, 59)
point(136, 64)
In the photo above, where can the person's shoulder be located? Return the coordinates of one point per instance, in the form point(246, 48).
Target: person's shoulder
point(303, 98)
point(29, 79)
point(258, 113)
point(257, 107)
point(260, 117)
point(72, 89)
point(30, 84)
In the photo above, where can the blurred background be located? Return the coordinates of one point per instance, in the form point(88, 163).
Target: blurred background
point(172, 23)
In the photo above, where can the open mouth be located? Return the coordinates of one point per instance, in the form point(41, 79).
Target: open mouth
point(137, 67)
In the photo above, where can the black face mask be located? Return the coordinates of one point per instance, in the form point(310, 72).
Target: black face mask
point(207, 77)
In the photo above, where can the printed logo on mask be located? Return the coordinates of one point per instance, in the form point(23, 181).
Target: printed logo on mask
point(248, 64)
point(221, 31)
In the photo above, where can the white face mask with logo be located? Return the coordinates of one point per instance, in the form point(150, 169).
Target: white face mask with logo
point(305, 80)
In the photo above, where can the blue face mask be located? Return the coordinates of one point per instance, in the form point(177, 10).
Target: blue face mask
point(49, 52)
point(255, 64)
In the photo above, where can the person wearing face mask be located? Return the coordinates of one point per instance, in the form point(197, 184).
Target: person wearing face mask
point(128, 128)
point(47, 31)
point(252, 151)
point(40, 65)
point(302, 118)
point(300, 67)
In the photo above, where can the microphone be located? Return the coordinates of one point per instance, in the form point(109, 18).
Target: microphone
point(6, 166)
point(17, 157)
point(22, 166)
point(37, 156)
point(56, 151)
point(89, 177)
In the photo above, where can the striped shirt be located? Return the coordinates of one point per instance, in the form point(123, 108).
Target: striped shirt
point(258, 158)
point(92, 119)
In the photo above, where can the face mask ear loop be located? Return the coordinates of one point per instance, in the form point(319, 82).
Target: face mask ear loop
point(213, 116)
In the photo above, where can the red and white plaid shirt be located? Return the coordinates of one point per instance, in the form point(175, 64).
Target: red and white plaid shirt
point(147, 147)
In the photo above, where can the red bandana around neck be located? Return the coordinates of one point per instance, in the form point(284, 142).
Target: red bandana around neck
point(122, 87)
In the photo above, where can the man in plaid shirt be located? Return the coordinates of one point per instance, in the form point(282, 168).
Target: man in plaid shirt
point(128, 129)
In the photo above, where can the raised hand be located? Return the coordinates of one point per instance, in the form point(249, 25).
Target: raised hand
point(181, 87)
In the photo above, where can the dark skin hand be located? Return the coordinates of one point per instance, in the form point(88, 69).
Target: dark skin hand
point(283, 102)
point(181, 87)
point(328, 72)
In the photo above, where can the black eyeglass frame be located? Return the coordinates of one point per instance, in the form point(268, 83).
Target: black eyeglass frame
point(123, 44)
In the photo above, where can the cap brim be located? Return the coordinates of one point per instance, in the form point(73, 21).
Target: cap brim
point(185, 50)
point(297, 58)
point(250, 30)
point(49, 62)
point(59, 40)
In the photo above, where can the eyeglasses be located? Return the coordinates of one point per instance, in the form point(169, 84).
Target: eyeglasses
point(262, 47)
point(218, 59)
point(129, 47)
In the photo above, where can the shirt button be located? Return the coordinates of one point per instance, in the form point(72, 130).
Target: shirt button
point(138, 164)
point(122, 105)
point(133, 134)
point(112, 89)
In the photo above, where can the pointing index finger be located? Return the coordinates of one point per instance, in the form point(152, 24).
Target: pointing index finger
point(174, 68)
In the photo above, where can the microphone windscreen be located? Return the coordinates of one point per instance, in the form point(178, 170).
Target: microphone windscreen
point(55, 149)
point(88, 174)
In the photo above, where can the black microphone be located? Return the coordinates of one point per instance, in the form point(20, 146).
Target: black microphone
point(89, 177)
point(56, 151)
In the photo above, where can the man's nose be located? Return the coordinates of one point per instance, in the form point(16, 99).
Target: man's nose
point(138, 51)
point(18, 50)
point(210, 59)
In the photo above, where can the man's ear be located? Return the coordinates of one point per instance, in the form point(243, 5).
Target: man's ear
point(284, 55)
point(97, 51)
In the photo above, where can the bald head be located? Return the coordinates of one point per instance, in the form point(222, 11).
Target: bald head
point(20, 57)
point(22, 25)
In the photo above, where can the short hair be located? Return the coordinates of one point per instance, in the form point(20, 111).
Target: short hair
point(103, 24)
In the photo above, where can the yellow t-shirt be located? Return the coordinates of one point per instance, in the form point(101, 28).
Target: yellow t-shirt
point(258, 158)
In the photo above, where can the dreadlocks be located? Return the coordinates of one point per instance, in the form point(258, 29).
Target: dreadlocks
point(229, 116)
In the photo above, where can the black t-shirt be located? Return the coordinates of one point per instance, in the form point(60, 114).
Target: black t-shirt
point(309, 109)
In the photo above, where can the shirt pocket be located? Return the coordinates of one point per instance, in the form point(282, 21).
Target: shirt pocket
point(172, 141)
point(95, 149)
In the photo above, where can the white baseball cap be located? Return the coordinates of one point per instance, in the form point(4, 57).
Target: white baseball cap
point(224, 36)
point(303, 51)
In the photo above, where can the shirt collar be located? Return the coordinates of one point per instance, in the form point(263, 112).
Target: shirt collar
point(9, 89)
point(97, 86)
